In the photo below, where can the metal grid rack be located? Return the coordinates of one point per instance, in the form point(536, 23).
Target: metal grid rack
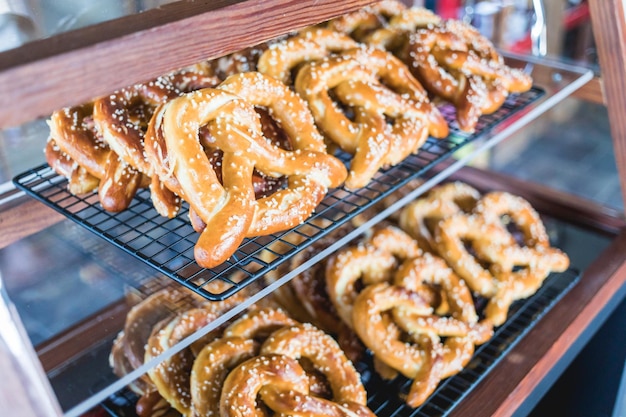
point(385, 398)
point(167, 244)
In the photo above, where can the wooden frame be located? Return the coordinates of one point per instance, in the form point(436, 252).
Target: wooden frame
point(74, 67)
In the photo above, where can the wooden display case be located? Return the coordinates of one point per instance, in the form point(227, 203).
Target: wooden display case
point(71, 68)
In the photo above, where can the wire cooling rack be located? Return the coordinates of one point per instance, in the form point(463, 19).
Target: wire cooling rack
point(167, 244)
point(386, 398)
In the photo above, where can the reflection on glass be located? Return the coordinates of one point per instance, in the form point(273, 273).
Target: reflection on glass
point(24, 20)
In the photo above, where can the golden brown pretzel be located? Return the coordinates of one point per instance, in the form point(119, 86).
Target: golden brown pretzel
point(382, 336)
point(243, 384)
point(281, 58)
point(122, 118)
point(455, 62)
point(72, 131)
point(460, 327)
point(210, 369)
point(259, 323)
point(323, 352)
point(370, 262)
point(361, 23)
point(80, 181)
point(519, 269)
point(230, 211)
point(419, 217)
point(293, 403)
point(375, 86)
point(451, 235)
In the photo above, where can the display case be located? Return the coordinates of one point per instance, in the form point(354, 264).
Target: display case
point(63, 368)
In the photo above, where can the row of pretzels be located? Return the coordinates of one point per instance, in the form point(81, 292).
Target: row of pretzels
point(417, 294)
point(248, 140)
point(422, 289)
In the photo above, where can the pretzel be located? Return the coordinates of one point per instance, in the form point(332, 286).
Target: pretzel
point(455, 62)
point(370, 262)
point(519, 270)
point(453, 232)
point(382, 336)
point(293, 403)
point(460, 327)
point(171, 376)
point(153, 405)
point(361, 23)
point(230, 211)
point(243, 384)
point(281, 58)
point(323, 352)
point(376, 86)
point(210, 369)
point(258, 324)
point(394, 35)
point(123, 116)
point(72, 131)
point(419, 217)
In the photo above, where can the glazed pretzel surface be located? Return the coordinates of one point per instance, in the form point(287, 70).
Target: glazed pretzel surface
point(282, 58)
point(323, 352)
point(376, 87)
point(230, 210)
point(420, 217)
point(455, 62)
point(73, 138)
point(123, 116)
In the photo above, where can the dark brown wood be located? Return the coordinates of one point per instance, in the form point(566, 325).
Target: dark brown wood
point(506, 387)
point(24, 219)
point(608, 21)
point(593, 91)
point(87, 63)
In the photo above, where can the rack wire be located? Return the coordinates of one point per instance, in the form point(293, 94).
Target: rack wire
point(386, 398)
point(167, 244)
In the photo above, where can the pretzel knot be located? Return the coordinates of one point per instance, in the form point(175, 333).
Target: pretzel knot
point(76, 151)
point(365, 264)
point(455, 62)
point(376, 87)
point(122, 119)
point(230, 210)
point(451, 336)
point(282, 58)
point(513, 270)
point(420, 217)
point(280, 383)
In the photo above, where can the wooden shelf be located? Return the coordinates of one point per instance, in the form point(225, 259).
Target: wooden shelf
point(74, 67)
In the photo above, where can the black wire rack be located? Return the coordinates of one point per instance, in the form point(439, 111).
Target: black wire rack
point(386, 398)
point(167, 244)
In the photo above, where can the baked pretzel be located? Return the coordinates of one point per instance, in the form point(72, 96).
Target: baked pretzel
point(420, 217)
point(74, 138)
point(293, 403)
point(244, 383)
point(258, 324)
point(460, 327)
point(230, 210)
point(368, 263)
point(323, 352)
point(376, 87)
point(361, 23)
point(122, 118)
point(519, 269)
point(282, 58)
point(455, 62)
point(210, 369)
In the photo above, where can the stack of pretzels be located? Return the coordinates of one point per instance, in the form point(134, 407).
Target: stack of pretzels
point(263, 362)
point(248, 140)
point(407, 291)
